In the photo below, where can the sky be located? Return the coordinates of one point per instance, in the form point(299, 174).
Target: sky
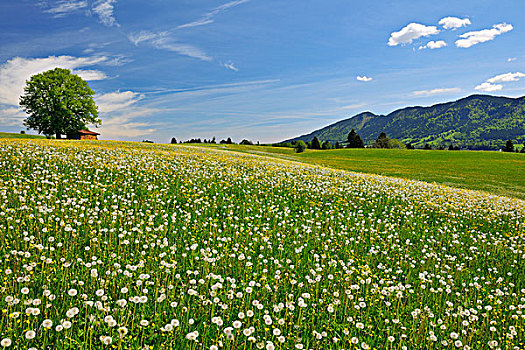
point(263, 70)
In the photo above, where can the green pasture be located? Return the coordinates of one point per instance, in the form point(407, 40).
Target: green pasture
point(11, 135)
point(495, 172)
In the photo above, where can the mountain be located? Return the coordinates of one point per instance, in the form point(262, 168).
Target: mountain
point(474, 122)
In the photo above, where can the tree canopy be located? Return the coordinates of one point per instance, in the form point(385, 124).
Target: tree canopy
point(509, 146)
point(300, 146)
point(316, 144)
point(354, 140)
point(326, 145)
point(382, 141)
point(58, 102)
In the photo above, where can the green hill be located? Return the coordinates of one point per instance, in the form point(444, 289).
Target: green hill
point(9, 135)
point(474, 122)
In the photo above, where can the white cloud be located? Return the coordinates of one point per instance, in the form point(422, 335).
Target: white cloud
point(117, 61)
point(209, 17)
point(363, 78)
point(511, 59)
point(488, 87)
point(90, 75)
point(231, 66)
point(115, 101)
point(15, 72)
point(454, 22)
point(166, 41)
point(163, 41)
point(502, 78)
point(182, 49)
point(353, 106)
point(118, 111)
point(104, 11)
point(144, 35)
point(200, 22)
point(436, 91)
point(237, 87)
point(11, 116)
point(117, 128)
point(230, 4)
point(494, 83)
point(410, 33)
point(434, 45)
point(66, 7)
point(472, 38)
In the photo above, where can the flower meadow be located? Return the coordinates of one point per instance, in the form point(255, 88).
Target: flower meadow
point(139, 246)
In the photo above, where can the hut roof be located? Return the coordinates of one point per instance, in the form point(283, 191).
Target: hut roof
point(87, 132)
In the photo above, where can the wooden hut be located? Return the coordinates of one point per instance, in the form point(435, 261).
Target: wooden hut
point(83, 135)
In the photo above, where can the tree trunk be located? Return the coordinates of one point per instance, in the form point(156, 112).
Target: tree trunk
point(58, 136)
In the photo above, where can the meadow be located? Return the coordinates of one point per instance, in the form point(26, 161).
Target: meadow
point(494, 172)
point(12, 135)
point(143, 246)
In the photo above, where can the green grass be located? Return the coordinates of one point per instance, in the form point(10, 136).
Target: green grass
point(495, 172)
point(12, 135)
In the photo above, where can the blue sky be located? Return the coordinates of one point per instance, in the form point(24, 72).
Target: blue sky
point(262, 70)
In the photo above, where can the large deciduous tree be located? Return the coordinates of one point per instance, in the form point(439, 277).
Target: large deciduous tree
point(58, 102)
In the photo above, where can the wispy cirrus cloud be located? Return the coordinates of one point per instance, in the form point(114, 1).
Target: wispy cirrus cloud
point(411, 32)
point(470, 39)
point(104, 9)
point(65, 7)
point(144, 36)
point(209, 17)
point(165, 41)
point(352, 106)
point(439, 91)
point(237, 87)
point(231, 66)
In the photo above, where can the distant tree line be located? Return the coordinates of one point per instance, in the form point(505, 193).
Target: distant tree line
point(228, 141)
point(509, 147)
point(353, 140)
point(174, 140)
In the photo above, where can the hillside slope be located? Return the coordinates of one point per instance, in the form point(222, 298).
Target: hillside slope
point(10, 135)
point(474, 122)
point(493, 172)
